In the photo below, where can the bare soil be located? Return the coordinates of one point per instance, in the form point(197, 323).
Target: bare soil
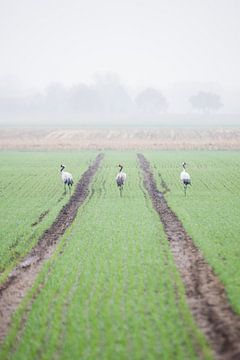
point(22, 277)
point(121, 138)
point(206, 295)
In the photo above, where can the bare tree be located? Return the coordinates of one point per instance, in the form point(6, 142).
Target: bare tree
point(206, 101)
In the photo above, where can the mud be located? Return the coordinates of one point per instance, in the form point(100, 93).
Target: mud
point(206, 295)
point(22, 277)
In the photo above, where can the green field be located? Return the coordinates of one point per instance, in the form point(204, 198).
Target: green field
point(31, 194)
point(112, 289)
point(211, 210)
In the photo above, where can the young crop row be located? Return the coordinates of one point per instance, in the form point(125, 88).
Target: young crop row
point(31, 193)
point(112, 289)
point(211, 210)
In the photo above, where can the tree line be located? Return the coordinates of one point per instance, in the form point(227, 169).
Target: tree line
point(106, 95)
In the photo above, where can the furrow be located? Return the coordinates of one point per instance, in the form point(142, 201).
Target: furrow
point(206, 296)
point(22, 277)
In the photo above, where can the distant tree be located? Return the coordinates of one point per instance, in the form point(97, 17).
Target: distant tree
point(151, 100)
point(113, 95)
point(206, 101)
point(55, 97)
point(84, 98)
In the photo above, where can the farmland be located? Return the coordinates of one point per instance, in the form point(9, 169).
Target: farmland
point(112, 288)
point(31, 196)
point(211, 211)
point(122, 138)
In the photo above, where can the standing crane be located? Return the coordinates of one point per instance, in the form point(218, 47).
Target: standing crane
point(66, 178)
point(120, 179)
point(185, 178)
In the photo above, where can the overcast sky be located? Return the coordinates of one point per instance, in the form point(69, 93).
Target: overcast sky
point(145, 42)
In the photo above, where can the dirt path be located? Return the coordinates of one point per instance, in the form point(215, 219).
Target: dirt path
point(23, 276)
point(206, 296)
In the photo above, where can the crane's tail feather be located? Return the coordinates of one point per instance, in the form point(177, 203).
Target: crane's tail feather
point(120, 181)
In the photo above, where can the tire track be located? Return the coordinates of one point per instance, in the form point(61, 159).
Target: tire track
point(40, 218)
point(206, 296)
point(23, 276)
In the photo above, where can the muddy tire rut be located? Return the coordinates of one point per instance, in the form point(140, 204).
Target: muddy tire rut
point(23, 276)
point(205, 294)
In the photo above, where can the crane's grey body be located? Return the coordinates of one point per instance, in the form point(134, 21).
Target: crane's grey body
point(185, 178)
point(120, 179)
point(67, 178)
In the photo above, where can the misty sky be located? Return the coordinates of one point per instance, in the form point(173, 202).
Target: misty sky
point(145, 42)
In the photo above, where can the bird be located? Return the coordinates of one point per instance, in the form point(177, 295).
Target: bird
point(66, 178)
point(185, 178)
point(120, 178)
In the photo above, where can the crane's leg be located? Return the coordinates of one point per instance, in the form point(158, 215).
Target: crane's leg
point(185, 190)
point(70, 187)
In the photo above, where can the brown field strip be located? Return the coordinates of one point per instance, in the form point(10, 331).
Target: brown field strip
point(121, 138)
point(22, 277)
point(205, 294)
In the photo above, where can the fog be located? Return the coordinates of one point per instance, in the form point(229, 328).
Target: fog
point(78, 61)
